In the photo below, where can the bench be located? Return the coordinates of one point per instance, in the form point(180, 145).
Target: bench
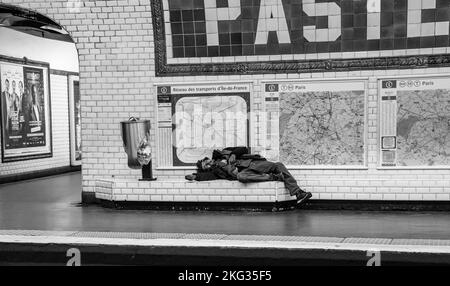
point(183, 194)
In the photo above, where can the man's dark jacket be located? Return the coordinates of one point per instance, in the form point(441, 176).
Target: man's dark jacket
point(222, 169)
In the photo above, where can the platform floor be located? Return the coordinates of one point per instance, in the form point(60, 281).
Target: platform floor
point(178, 249)
point(54, 204)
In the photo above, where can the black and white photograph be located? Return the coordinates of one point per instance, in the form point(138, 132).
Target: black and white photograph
point(224, 141)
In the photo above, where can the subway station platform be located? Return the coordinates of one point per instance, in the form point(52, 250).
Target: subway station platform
point(45, 216)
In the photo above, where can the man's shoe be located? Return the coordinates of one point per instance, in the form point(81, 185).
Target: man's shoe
point(303, 197)
point(190, 177)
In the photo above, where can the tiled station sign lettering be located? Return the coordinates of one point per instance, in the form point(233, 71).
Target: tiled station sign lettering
point(212, 28)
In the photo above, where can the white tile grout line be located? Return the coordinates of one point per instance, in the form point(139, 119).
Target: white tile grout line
point(68, 238)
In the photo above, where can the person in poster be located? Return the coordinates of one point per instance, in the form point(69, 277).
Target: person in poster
point(20, 104)
point(11, 75)
point(15, 97)
point(14, 110)
point(33, 109)
point(25, 112)
point(20, 94)
point(36, 109)
point(5, 103)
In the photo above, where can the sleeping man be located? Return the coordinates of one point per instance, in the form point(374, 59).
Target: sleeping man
point(236, 163)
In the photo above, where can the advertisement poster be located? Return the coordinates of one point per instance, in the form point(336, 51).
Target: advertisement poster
point(25, 112)
point(77, 111)
point(415, 122)
point(316, 123)
point(202, 118)
point(34, 115)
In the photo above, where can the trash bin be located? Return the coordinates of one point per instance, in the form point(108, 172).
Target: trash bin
point(133, 132)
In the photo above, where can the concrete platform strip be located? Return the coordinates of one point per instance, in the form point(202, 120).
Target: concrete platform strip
point(224, 241)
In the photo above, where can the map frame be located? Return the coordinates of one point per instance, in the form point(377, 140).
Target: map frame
point(361, 80)
point(177, 97)
point(414, 78)
point(170, 92)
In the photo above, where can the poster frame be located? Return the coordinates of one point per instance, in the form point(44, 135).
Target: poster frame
point(176, 97)
point(36, 64)
point(365, 165)
point(250, 123)
point(379, 137)
point(72, 127)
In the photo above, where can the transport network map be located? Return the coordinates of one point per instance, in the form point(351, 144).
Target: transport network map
point(423, 127)
point(322, 124)
point(422, 121)
point(195, 119)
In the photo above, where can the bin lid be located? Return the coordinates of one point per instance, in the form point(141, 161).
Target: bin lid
point(134, 120)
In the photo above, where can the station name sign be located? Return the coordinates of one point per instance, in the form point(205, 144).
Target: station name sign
point(306, 35)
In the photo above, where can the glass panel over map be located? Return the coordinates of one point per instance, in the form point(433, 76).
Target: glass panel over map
point(205, 123)
point(320, 123)
point(416, 113)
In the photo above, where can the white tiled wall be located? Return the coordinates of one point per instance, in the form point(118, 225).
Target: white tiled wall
point(370, 183)
point(60, 133)
point(117, 72)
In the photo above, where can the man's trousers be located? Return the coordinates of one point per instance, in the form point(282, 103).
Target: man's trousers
point(263, 171)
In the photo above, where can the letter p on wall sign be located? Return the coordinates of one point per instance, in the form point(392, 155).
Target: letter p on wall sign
point(188, 31)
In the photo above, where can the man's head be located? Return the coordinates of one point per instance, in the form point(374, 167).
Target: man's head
point(6, 85)
point(204, 164)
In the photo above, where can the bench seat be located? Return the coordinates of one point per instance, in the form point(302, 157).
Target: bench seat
point(121, 190)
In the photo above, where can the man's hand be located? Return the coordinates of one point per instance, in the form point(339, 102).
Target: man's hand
point(232, 159)
point(190, 177)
